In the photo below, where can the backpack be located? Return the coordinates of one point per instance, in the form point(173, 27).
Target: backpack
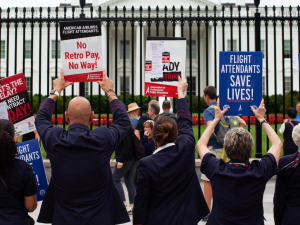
point(226, 123)
point(138, 147)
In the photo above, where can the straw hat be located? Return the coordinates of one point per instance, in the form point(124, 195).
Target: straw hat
point(133, 106)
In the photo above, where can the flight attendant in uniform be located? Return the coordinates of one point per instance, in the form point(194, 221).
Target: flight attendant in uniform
point(238, 186)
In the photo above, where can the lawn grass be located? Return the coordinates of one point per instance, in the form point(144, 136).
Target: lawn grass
point(195, 129)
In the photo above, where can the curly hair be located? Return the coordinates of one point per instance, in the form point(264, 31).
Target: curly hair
point(238, 144)
point(8, 152)
point(165, 130)
point(296, 135)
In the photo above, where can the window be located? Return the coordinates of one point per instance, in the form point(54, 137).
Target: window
point(53, 50)
point(86, 88)
point(262, 47)
point(126, 83)
point(192, 85)
point(234, 44)
point(287, 49)
point(193, 47)
point(287, 85)
point(2, 52)
point(28, 84)
point(27, 49)
point(127, 49)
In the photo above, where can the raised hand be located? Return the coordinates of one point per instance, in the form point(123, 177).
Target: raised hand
point(106, 83)
point(182, 87)
point(218, 112)
point(59, 84)
point(260, 112)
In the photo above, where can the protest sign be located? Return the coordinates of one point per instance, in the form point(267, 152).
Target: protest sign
point(240, 82)
point(165, 61)
point(14, 104)
point(30, 152)
point(81, 51)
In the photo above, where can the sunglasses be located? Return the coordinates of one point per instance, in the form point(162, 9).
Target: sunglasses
point(150, 121)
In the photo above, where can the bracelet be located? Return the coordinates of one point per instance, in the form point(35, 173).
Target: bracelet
point(108, 90)
point(110, 95)
point(264, 121)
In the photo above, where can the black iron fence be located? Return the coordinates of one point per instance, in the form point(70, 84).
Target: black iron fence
point(29, 43)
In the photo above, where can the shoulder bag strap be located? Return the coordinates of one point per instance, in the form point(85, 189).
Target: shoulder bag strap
point(292, 124)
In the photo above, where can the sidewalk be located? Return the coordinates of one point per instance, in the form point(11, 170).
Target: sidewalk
point(268, 204)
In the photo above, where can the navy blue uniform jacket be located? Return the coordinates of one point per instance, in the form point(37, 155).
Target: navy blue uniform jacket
point(238, 189)
point(287, 193)
point(167, 189)
point(82, 181)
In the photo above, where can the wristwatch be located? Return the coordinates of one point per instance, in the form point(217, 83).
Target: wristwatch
point(54, 92)
point(264, 121)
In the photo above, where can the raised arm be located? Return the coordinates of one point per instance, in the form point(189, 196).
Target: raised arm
point(121, 122)
point(43, 119)
point(273, 137)
point(242, 122)
point(203, 141)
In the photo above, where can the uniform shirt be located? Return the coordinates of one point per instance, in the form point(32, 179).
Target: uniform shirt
point(209, 115)
point(22, 182)
point(238, 189)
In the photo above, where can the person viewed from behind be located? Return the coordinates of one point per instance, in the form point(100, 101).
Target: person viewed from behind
point(82, 181)
point(152, 114)
point(17, 183)
point(125, 167)
point(238, 185)
point(147, 139)
point(216, 148)
point(289, 147)
point(287, 194)
point(134, 113)
point(166, 106)
point(167, 188)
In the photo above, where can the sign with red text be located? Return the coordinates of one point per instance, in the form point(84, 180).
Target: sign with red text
point(81, 51)
point(14, 99)
point(165, 61)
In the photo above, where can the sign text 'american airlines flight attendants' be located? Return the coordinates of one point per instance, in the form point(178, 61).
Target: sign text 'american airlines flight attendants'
point(81, 51)
point(240, 82)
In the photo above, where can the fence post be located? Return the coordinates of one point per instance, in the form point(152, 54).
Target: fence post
point(82, 16)
point(258, 49)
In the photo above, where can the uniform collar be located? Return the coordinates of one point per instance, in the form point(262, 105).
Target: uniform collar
point(163, 147)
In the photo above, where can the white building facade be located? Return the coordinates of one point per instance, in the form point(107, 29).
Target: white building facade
point(35, 49)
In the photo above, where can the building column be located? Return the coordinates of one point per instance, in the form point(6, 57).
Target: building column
point(139, 40)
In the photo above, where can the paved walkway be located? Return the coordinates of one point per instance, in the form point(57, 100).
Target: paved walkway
point(268, 204)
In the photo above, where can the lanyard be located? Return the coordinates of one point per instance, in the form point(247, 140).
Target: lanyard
point(163, 147)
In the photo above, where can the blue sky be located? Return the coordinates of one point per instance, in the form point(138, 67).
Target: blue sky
point(44, 3)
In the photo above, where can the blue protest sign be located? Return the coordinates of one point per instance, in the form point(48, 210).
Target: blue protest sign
point(240, 82)
point(30, 152)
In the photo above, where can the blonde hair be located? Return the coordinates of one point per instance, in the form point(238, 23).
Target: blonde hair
point(133, 114)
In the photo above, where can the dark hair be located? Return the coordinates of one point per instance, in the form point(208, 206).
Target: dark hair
point(164, 131)
point(7, 126)
point(238, 144)
point(155, 108)
point(292, 112)
point(211, 92)
point(8, 152)
point(166, 104)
